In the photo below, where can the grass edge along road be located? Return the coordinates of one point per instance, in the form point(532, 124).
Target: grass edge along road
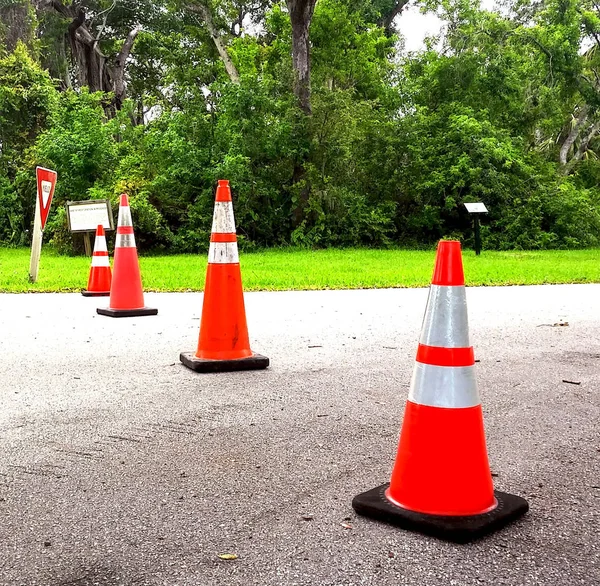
point(298, 269)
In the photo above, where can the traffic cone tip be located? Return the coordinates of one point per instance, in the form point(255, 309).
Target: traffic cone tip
point(223, 191)
point(448, 264)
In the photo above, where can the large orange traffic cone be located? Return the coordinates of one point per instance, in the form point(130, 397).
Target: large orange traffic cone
point(126, 294)
point(223, 344)
point(441, 482)
point(100, 275)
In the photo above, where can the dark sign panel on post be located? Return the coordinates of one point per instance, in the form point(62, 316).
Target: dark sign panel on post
point(476, 209)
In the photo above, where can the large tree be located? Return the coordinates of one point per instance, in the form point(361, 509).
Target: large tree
point(17, 23)
point(301, 13)
point(98, 37)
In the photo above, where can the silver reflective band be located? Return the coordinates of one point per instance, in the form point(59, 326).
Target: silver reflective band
point(223, 220)
point(444, 386)
point(223, 253)
point(125, 241)
point(446, 323)
point(124, 216)
point(100, 244)
point(100, 261)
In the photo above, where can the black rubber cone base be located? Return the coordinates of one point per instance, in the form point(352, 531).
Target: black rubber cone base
point(374, 504)
point(126, 312)
point(254, 362)
point(95, 293)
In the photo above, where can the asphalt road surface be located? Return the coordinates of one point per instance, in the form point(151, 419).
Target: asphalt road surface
point(119, 466)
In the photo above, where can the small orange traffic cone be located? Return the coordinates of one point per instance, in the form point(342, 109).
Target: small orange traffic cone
point(100, 275)
point(441, 482)
point(126, 294)
point(223, 344)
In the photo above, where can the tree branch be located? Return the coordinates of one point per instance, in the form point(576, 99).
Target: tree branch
point(127, 45)
point(204, 11)
point(117, 72)
point(387, 20)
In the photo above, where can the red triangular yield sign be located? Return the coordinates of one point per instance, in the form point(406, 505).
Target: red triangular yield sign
point(46, 181)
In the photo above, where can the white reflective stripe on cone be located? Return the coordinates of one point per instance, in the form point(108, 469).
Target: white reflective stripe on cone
point(124, 216)
point(125, 241)
point(223, 253)
point(444, 386)
point(446, 323)
point(100, 244)
point(223, 220)
point(100, 261)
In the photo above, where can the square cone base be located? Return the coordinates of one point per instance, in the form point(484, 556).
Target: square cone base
point(374, 504)
point(126, 312)
point(254, 362)
point(95, 293)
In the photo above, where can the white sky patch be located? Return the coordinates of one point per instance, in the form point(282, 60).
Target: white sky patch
point(415, 26)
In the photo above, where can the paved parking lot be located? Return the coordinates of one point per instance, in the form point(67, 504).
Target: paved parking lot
point(119, 466)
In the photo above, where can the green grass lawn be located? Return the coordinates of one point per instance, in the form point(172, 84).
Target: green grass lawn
point(285, 269)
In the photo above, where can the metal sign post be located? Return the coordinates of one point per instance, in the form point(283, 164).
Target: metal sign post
point(46, 182)
point(476, 209)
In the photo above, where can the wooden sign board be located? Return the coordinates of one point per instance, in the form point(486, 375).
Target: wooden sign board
point(85, 216)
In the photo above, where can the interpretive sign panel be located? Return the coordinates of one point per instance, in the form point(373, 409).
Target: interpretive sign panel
point(85, 216)
point(476, 208)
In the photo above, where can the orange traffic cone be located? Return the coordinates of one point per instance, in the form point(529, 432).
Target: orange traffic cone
point(100, 276)
point(126, 294)
point(441, 482)
point(223, 344)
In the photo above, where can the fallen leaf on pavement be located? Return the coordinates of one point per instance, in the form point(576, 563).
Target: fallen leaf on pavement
point(227, 556)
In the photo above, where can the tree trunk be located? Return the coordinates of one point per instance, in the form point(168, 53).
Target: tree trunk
point(301, 12)
point(573, 134)
point(204, 11)
point(90, 63)
point(592, 132)
point(15, 18)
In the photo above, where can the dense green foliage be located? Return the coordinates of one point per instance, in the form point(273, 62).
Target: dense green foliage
point(503, 109)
